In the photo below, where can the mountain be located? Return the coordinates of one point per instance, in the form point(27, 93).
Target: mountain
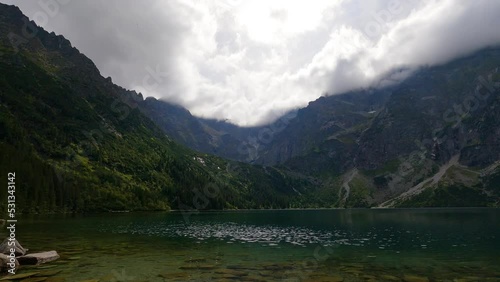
point(211, 136)
point(79, 143)
point(432, 140)
point(203, 135)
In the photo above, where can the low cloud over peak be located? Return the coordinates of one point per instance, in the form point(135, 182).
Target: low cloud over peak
point(249, 61)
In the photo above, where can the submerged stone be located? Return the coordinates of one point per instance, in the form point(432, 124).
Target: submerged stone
point(19, 276)
point(231, 272)
point(195, 260)
point(326, 278)
point(56, 279)
point(74, 258)
point(251, 279)
point(467, 279)
point(198, 267)
point(387, 277)
point(241, 267)
point(48, 273)
point(335, 278)
point(46, 266)
point(414, 278)
point(174, 275)
point(207, 267)
point(35, 279)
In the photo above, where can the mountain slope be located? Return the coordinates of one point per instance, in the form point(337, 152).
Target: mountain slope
point(437, 134)
point(207, 136)
point(78, 142)
point(210, 136)
point(372, 146)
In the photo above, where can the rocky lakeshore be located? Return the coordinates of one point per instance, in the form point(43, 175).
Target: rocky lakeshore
point(13, 256)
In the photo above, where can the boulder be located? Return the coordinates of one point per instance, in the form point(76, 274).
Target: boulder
point(38, 258)
point(5, 248)
point(5, 263)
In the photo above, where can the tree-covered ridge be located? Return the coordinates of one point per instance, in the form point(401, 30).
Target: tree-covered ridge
point(78, 143)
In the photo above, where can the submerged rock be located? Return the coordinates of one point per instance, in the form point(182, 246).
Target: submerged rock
point(34, 279)
point(387, 277)
point(175, 275)
point(20, 276)
point(55, 279)
point(325, 278)
point(231, 272)
point(414, 278)
point(199, 267)
point(196, 260)
point(467, 279)
point(48, 273)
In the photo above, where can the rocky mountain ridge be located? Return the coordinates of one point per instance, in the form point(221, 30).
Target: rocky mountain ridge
point(391, 140)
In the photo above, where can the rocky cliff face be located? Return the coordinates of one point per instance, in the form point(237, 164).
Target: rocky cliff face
point(439, 128)
point(328, 127)
point(443, 111)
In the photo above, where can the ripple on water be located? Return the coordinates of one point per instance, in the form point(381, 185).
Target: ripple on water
point(272, 235)
point(231, 232)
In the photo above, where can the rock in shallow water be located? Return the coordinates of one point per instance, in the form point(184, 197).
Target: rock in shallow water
point(38, 258)
point(7, 245)
point(5, 263)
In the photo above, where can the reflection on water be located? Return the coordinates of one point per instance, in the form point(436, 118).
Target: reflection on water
point(308, 245)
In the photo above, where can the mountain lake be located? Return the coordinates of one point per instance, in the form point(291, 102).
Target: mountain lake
point(267, 245)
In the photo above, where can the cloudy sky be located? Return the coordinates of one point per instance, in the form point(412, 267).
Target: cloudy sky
point(250, 60)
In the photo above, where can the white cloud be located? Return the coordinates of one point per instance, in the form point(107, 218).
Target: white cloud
point(247, 61)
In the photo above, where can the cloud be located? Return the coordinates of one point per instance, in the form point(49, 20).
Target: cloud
point(249, 61)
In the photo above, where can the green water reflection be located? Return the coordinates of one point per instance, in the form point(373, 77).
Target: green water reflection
point(291, 245)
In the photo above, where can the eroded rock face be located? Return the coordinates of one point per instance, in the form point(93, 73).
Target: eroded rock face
point(7, 245)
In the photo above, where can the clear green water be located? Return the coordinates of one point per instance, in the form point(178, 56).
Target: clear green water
point(291, 245)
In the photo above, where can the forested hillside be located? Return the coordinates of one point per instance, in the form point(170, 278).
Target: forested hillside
point(78, 143)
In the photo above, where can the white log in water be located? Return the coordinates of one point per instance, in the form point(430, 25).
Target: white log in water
point(38, 258)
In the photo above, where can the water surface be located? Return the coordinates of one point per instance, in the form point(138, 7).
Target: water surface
point(279, 245)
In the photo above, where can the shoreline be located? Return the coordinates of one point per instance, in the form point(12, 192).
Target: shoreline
point(246, 210)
